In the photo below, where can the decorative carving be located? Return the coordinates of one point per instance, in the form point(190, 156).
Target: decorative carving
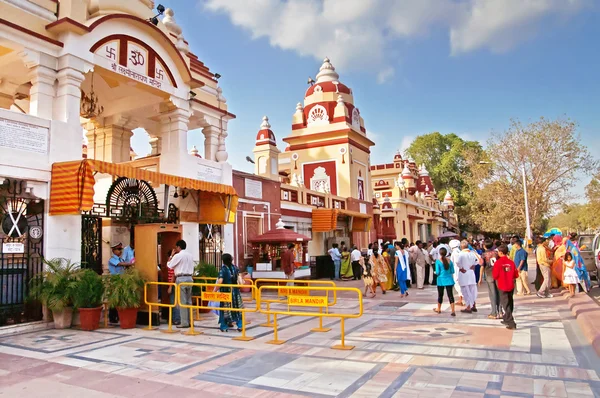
point(356, 118)
point(320, 181)
point(318, 115)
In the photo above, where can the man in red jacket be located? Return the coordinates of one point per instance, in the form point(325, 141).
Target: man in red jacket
point(505, 272)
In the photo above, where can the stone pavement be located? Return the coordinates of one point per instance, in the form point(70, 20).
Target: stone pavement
point(403, 349)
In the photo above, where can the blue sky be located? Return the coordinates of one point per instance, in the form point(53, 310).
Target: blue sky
point(461, 66)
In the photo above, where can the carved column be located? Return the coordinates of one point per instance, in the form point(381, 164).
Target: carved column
point(173, 142)
point(211, 142)
point(68, 96)
point(42, 92)
point(112, 142)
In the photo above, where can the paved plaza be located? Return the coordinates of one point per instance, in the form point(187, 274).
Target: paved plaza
point(403, 349)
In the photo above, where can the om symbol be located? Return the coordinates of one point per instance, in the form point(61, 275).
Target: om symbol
point(137, 58)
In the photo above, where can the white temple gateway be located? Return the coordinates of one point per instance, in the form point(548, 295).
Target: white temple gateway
point(107, 67)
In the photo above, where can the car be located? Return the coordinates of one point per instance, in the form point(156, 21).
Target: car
point(589, 246)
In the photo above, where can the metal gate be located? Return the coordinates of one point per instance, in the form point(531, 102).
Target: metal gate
point(21, 251)
point(91, 243)
point(211, 244)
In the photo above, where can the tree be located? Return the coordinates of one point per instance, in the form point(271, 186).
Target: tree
point(575, 217)
point(448, 159)
point(551, 154)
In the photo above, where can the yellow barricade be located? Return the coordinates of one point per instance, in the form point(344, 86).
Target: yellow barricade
point(209, 295)
point(211, 278)
point(310, 301)
point(286, 290)
point(169, 306)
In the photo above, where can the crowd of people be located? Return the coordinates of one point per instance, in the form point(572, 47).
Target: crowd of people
point(459, 268)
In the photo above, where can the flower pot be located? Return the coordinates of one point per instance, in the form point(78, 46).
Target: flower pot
point(127, 317)
point(90, 318)
point(63, 319)
point(202, 310)
point(246, 289)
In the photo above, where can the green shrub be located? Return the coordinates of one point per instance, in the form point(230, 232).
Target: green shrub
point(89, 289)
point(125, 290)
point(55, 287)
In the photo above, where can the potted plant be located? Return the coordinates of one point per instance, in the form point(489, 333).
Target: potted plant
point(87, 297)
point(55, 287)
point(124, 292)
point(207, 270)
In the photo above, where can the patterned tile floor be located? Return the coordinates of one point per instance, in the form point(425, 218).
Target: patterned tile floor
point(403, 349)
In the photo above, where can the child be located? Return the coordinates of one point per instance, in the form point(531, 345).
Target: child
point(367, 278)
point(505, 273)
point(570, 277)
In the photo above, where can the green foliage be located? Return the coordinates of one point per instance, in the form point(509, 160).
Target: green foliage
point(88, 290)
point(449, 160)
point(55, 287)
point(125, 290)
point(207, 270)
point(576, 217)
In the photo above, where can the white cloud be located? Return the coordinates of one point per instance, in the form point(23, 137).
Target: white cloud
point(360, 34)
point(406, 141)
point(500, 25)
point(385, 74)
point(372, 136)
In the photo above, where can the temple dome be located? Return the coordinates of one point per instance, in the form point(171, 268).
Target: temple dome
point(265, 135)
point(327, 81)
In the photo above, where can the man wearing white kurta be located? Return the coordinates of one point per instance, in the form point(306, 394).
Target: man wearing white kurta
point(465, 264)
point(454, 246)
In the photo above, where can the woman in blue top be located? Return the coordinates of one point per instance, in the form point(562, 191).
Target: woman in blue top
point(228, 276)
point(444, 269)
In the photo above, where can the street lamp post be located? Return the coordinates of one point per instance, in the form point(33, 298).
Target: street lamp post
point(528, 230)
point(527, 221)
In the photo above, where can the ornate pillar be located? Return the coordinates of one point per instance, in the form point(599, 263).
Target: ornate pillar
point(211, 142)
point(42, 92)
point(63, 233)
point(155, 145)
point(68, 96)
point(110, 143)
point(42, 69)
point(173, 142)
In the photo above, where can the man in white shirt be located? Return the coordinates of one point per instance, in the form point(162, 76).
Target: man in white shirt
point(182, 263)
point(454, 247)
point(433, 257)
point(355, 258)
point(465, 264)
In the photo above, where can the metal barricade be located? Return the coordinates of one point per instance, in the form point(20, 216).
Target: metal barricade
point(310, 301)
point(282, 286)
point(218, 297)
point(169, 306)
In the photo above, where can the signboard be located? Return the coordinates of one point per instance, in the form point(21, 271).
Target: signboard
point(13, 248)
point(253, 188)
point(304, 301)
point(132, 74)
point(285, 291)
point(23, 136)
point(216, 296)
point(209, 173)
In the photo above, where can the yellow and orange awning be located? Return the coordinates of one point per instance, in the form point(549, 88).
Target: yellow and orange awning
point(72, 188)
point(325, 220)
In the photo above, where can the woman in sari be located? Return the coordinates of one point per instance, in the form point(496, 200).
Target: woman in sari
point(580, 268)
point(557, 265)
point(391, 283)
point(229, 276)
point(378, 269)
point(346, 270)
